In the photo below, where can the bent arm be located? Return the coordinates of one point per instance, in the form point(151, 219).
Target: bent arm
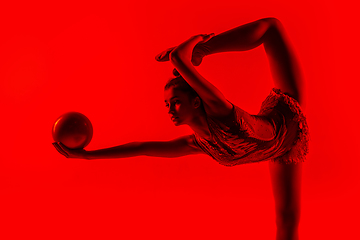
point(214, 101)
point(178, 147)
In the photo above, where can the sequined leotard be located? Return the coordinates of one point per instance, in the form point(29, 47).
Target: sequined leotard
point(234, 141)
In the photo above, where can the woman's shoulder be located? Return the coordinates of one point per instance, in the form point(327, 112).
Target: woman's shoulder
point(219, 112)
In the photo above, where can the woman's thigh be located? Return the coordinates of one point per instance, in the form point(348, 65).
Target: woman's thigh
point(284, 65)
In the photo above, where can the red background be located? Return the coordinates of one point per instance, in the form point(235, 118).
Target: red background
point(98, 59)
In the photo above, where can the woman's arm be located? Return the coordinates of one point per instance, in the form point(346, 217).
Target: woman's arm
point(178, 147)
point(214, 101)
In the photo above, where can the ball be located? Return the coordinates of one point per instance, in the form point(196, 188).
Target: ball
point(73, 129)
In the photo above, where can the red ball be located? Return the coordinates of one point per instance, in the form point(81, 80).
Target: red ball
point(73, 129)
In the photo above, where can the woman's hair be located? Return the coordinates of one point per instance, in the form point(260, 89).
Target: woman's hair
point(179, 83)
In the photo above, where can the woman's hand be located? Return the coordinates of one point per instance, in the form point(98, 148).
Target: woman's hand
point(70, 153)
point(193, 47)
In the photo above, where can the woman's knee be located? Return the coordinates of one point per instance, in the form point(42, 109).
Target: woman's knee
point(272, 23)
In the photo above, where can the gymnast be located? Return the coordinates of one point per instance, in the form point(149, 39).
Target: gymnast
point(228, 134)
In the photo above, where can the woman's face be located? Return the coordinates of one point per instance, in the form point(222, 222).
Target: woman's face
point(180, 108)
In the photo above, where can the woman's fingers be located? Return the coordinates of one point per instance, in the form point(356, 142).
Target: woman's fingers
point(60, 149)
point(63, 151)
point(70, 153)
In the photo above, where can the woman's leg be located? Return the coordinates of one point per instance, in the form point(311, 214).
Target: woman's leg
point(269, 32)
point(285, 178)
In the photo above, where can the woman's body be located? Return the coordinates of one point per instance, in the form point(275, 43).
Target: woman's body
point(211, 103)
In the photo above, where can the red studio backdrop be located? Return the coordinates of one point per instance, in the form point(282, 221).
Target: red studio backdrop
point(98, 59)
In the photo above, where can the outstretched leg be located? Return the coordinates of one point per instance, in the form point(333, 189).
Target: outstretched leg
point(269, 32)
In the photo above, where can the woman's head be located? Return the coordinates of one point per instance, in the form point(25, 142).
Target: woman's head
point(182, 100)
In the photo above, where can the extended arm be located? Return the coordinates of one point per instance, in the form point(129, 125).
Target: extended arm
point(178, 147)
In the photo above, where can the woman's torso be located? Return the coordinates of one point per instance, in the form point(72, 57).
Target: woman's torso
point(244, 138)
